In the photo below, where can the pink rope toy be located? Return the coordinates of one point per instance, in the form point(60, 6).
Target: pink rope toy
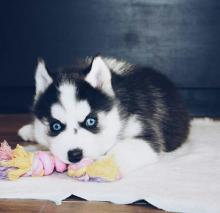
point(20, 163)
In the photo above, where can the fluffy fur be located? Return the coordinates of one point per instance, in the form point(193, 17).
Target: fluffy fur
point(138, 111)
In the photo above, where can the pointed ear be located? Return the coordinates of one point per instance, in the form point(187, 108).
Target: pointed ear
point(42, 78)
point(100, 76)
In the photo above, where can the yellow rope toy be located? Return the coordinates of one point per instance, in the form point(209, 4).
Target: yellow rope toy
point(19, 162)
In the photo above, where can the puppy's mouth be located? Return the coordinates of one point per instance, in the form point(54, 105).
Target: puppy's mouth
point(76, 157)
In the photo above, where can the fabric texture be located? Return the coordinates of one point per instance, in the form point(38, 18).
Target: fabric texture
point(187, 180)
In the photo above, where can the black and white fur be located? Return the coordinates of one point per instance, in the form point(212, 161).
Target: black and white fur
point(138, 110)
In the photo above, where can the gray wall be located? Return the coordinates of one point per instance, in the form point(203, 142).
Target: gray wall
point(181, 38)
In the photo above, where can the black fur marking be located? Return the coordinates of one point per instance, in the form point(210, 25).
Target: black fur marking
point(70, 74)
point(154, 100)
point(43, 105)
point(53, 133)
point(95, 129)
point(97, 100)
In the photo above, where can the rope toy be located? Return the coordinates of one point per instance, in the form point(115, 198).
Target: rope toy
point(16, 163)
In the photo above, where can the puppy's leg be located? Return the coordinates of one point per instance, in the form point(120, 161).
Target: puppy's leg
point(27, 132)
point(132, 154)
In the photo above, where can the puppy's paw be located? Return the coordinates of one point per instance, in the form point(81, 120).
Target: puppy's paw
point(133, 154)
point(26, 132)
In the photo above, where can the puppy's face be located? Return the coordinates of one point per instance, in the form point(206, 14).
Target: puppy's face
point(76, 117)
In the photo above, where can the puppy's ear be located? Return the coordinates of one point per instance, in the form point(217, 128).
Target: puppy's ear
point(42, 78)
point(100, 76)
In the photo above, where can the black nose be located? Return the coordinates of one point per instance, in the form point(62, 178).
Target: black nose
point(75, 155)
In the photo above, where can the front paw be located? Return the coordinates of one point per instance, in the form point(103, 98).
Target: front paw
point(26, 132)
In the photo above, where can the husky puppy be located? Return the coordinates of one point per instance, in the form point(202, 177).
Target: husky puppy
point(103, 106)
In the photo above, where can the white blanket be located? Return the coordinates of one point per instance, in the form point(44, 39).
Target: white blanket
point(187, 180)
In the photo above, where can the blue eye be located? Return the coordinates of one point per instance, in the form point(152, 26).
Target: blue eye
point(56, 127)
point(90, 122)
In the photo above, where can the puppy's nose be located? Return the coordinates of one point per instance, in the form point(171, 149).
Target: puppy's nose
point(75, 155)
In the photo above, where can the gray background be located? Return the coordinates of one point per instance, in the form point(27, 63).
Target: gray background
point(181, 38)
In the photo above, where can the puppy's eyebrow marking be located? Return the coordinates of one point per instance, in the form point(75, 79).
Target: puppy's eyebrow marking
point(58, 112)
point(83, 109)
